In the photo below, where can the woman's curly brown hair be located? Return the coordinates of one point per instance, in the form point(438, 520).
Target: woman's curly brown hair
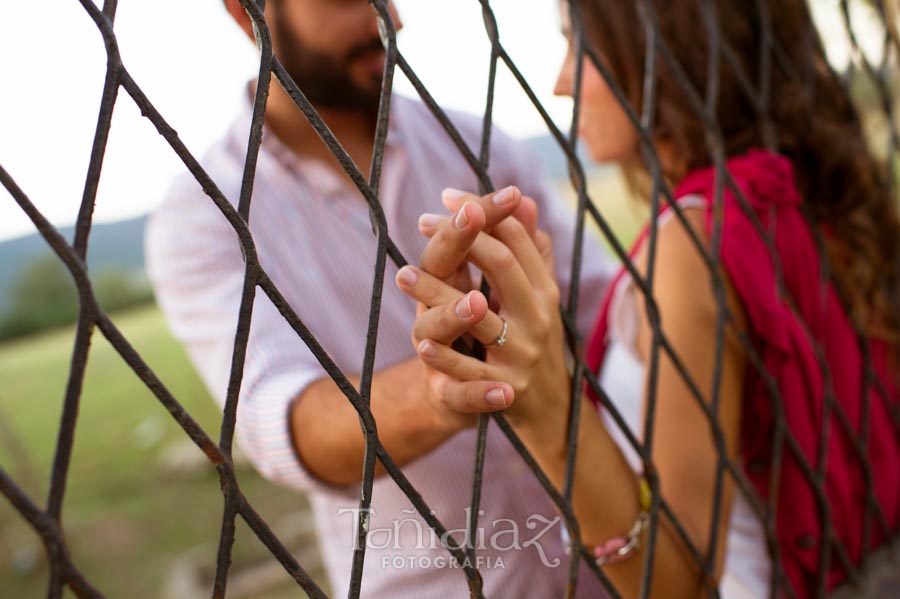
point(814, 120)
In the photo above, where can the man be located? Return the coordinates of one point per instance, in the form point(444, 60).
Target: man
point(313, 237)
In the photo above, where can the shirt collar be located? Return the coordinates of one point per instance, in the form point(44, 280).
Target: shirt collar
point(289, 159)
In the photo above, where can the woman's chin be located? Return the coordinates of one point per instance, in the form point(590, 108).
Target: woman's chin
point(600, 155)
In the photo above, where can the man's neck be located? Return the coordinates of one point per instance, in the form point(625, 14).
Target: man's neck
point(354, 130)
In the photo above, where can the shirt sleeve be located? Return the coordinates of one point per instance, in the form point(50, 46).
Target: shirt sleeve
point(196, 267)
point(557, 217)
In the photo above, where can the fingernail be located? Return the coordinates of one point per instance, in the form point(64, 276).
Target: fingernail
point(408, 276)
point(503, 197)
point(429, 221)
point(451, 195)
point(461, 219)
point(496, 397)
point(427, 348)
point(463, 309)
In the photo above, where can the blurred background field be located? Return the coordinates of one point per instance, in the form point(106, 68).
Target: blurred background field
point(143, 505)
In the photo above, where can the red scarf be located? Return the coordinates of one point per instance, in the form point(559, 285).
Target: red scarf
point(767, 182)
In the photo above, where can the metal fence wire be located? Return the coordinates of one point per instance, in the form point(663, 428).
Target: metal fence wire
point(46, 520)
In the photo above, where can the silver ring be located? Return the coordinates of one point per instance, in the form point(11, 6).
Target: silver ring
point(500, 341)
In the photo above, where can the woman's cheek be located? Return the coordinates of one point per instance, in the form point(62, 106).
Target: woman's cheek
point(600, 142)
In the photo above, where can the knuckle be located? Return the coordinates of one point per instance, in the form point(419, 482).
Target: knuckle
point(436, 254)
point(520, 385)
point(442, 236)
point(515, 230)
point(545, 245)
point(448, 361)
point(504, 259)
point(440, 388)
point(511, 231)
point(553, 294)
point(437, 384)
point(542, 240)
point(447, 319)
point(481, 374)
point(541, 324)
point(472, 398)
point(445, 400)
point(430, 293)
point(530, 354)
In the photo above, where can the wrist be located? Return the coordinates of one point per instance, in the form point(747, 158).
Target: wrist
point(543, 431)
point(544, 416)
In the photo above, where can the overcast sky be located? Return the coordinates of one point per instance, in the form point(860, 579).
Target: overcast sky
point(192, 62)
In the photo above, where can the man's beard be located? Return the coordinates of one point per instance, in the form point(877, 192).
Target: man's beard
point(324, 79)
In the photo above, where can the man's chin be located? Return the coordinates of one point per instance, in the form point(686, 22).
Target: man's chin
point(368, 93)
point(374, 88)
point(371, 65)
point(357, 103)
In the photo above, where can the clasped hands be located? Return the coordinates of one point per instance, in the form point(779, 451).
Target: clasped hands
point(499, 234)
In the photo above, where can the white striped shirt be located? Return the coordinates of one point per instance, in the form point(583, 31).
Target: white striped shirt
point(314, 238)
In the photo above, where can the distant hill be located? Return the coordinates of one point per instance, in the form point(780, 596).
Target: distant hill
point(120, 245)
point(553, 159)
point(113, 246)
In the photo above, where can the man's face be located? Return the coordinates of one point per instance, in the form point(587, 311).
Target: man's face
point(332, 50)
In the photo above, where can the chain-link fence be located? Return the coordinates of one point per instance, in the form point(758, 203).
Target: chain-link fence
point(881, 77)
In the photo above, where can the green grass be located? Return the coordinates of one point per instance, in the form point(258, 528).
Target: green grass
point(126, 519)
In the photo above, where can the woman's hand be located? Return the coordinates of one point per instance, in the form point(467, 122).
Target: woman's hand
point(529, 368)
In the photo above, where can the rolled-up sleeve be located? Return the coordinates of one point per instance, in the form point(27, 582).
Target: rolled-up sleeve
point(196, 267)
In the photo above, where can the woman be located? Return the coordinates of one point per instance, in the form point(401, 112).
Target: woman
point(780, 311)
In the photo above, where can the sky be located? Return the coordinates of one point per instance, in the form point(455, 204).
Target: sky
point(192, 61)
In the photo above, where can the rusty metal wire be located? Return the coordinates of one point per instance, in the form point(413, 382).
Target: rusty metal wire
point(47, 521)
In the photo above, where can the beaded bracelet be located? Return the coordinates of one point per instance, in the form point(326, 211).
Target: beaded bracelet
point(618, 548)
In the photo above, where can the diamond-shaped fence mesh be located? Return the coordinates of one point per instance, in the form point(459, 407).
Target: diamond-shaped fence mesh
point(880, 75)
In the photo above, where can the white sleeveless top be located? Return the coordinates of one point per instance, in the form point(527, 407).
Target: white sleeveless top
point(747, 569)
